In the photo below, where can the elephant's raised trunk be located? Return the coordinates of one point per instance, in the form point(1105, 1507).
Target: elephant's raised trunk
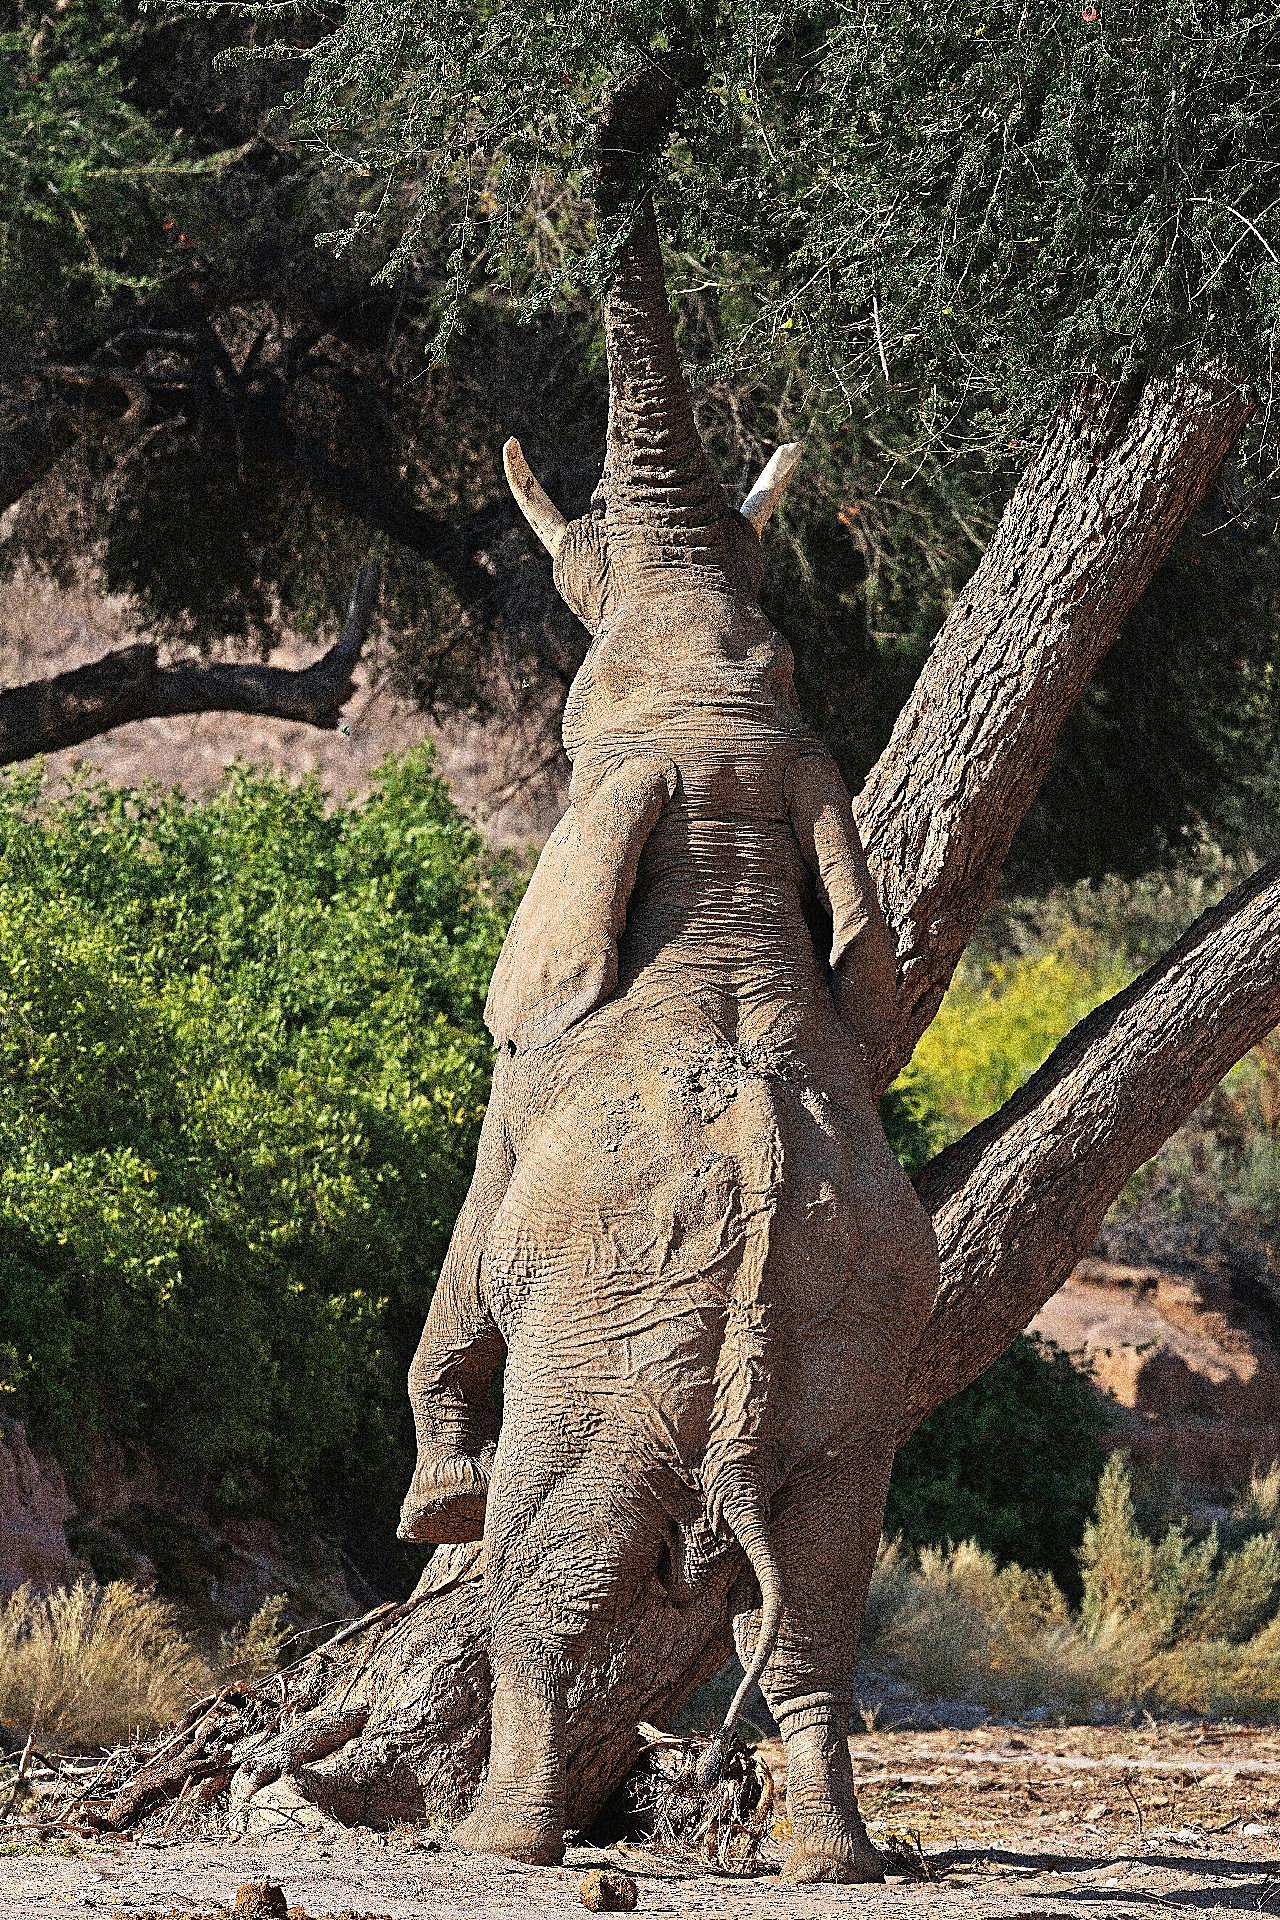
point(664, 509)
point(665, 516)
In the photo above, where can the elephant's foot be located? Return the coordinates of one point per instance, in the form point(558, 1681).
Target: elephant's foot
point(850, 1863)
point(446, 1501)
point(829, 1840)
point(535, 1842)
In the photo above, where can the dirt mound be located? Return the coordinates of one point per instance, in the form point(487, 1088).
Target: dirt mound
point(1196, 1366)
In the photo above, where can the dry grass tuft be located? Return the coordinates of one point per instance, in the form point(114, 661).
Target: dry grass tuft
point(94, 1666)
point(1181, 1622)
point(90, 1666)
point(959, 1626)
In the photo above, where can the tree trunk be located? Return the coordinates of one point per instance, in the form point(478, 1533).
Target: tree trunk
point(1090, 523)
point(395, 1725)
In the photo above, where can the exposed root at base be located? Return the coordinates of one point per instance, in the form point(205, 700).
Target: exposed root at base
point(726, 1823)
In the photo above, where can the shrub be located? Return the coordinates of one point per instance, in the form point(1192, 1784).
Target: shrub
point(1179, 1589)
point(1172, 1621)
point(1012, 1463)
point(94, 1666)
point(243, 1068)
point(90, 1666)
point(959, 1625)
point(1000, 1019)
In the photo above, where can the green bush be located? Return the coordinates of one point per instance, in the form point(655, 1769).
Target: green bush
point(244, 1067)
point(1000, 1020)
point(1171, 1618)
point(1012, 1464)
point(1223, 1585)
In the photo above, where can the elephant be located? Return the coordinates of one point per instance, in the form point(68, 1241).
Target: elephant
point(687, 1231)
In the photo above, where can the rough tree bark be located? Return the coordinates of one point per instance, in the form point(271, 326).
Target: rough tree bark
point(1087, 528)
point(130, 684)
point(392, 1723)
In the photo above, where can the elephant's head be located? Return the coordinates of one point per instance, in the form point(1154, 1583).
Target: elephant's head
point(661, 570)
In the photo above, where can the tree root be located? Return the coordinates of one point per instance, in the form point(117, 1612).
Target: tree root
point(388, 1721)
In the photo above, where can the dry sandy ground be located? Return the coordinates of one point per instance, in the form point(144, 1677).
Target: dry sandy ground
point(1015, 1822)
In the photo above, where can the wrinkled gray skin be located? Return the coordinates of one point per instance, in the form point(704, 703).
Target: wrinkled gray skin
point(686, 1227)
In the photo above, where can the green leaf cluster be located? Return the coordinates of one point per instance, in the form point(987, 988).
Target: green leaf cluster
point(1184, 1584)
point(1001, 1018)
point(979, 207)
point(87, 171)
point(243, 1067)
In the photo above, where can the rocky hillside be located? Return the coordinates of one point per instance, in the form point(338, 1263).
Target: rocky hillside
point(1192, 1359)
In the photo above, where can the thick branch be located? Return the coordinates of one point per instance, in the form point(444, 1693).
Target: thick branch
point(1092, 520)
point(1019, 1200)
point(129, 685)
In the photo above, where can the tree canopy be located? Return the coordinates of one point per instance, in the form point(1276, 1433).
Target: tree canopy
point(222, 419)
point(978, 208)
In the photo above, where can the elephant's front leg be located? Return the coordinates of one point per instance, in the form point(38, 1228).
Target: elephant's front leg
point(458, 1355)
point(826, 1534)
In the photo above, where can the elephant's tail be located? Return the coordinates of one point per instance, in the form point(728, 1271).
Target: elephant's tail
point(744, 1511)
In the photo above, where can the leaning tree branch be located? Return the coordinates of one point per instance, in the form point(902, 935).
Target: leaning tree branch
point(1089, 524)
point(130, 684)
point(1018, 1200)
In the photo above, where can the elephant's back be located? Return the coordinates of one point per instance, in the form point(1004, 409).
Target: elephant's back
point(662, 1175)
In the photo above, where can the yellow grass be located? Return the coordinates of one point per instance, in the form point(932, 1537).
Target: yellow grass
point(958, 1626)
point(1184, 1624)
point(91, 1666)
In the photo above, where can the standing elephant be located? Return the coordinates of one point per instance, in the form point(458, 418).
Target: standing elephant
point(687, 1229)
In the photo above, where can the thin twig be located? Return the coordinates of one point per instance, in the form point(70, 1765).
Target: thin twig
point(19, 1777)
point(875, 317)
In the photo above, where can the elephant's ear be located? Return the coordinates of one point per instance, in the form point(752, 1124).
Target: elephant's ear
point(560, 957)
point(863, 960)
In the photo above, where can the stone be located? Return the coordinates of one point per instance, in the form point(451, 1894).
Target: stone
point(605, 1890)
point(260, 1900)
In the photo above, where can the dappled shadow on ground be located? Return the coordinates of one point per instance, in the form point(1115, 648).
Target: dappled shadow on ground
point(1202, 1882)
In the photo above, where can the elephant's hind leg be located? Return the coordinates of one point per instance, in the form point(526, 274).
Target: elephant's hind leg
point(521, 1812)
point(826, 1535)
point(568, 1541)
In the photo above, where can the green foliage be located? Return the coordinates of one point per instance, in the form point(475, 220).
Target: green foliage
point(1179, 1587)
point(78, 222)
point(1178, 1620)
point(161, 226)
point(958, 1625)
point(1001, 1018)
point(244, 1067)
point(1087, 191)
point(1011, 1463)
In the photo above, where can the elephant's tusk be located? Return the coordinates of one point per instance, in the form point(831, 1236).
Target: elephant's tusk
point(533, 500)
point(768, 490)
